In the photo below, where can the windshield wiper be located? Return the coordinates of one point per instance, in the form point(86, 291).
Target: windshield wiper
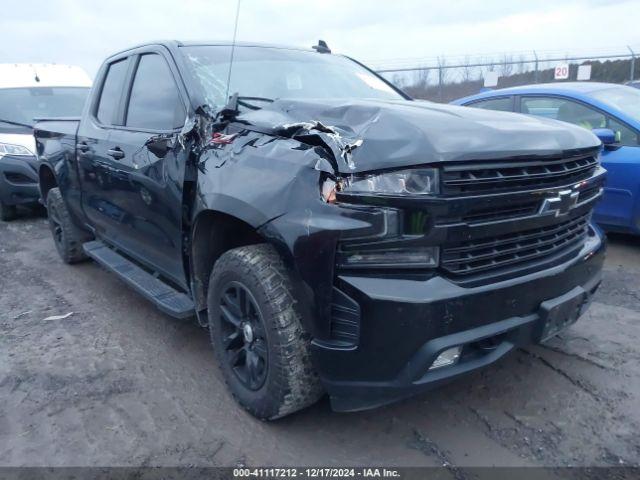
point(230, 110)
point(17, 124)
point(241, 100)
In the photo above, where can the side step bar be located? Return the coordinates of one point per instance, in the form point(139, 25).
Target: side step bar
point(165, 297)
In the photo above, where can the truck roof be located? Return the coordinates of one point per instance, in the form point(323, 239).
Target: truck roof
point(22, 75)
point(220, 43)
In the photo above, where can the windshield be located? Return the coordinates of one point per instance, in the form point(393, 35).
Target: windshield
point(273, 73)
point(22, 105)
point(625, 99)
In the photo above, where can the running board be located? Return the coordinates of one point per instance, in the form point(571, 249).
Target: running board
point(165, 297)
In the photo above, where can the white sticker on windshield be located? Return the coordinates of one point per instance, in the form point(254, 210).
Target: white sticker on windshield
point(294, 82)
point(374, 82)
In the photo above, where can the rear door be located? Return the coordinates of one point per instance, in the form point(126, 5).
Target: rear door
point(148, 186)
point(97, 167)
point(621, 162)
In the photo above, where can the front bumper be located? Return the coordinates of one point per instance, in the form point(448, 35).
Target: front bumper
point(19, 180)
point(406, 323)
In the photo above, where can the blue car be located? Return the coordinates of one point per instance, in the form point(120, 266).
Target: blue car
point(612, 112)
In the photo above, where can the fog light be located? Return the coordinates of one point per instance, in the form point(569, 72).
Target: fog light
point(446, 358)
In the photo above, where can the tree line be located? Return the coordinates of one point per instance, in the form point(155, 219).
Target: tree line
point(443, 88)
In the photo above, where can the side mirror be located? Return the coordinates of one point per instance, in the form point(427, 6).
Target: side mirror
point(159, 146)
point(606, 135)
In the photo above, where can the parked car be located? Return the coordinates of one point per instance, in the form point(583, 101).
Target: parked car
point(612, 112)
point(27, 92)
point(333, 235)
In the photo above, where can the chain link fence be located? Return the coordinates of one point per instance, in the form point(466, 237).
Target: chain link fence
point(447, 79)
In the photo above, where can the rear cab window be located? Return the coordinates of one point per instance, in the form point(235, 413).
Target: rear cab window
point(111, 92)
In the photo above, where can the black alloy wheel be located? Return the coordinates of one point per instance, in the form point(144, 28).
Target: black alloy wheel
point(67, 237)
point(55, 224)
point(243, 335)
point(256, 330)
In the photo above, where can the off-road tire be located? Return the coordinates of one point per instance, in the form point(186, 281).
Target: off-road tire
point(291, 382)
point(8, 212)
point(67, 237)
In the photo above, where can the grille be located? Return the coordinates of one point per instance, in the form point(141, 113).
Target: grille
point(497, 213)
point(499, 176)
point(526, 247)
point(589, 194)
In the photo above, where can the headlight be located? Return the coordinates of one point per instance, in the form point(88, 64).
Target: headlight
point(414, 181)
point(422, 257)
point(9, 149)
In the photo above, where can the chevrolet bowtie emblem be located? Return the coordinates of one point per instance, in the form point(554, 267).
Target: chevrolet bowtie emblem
point(562, 204)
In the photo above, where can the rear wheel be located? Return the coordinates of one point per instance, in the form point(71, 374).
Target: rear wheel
point(67, 237)
point(257, 335)
point(8, 212)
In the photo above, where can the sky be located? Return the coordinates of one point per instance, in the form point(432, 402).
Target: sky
point(380, 33)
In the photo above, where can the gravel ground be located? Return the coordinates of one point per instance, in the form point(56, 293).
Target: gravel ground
point(118, 383)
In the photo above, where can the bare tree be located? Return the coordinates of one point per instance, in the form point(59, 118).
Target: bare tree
point(422, 78)
point(443, 71)
point(480, 70)
point(521, 64)
point(467, 71)
point(506, 67)
point(398, 80)
point(489, 67)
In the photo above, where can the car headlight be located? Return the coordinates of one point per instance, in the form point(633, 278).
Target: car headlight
point(421, 257)
point(412, 181)
point(9, 149)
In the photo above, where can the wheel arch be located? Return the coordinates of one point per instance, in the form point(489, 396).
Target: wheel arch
point(46, 181)
point(214, 233)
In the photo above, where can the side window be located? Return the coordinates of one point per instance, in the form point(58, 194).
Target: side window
point(504, 104)
point(624, 135)
point(564, 110)
point(111, 91)
point(155, 101)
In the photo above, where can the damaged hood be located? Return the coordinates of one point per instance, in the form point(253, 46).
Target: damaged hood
point(371, 135)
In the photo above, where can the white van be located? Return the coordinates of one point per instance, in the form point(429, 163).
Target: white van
point(29, 91)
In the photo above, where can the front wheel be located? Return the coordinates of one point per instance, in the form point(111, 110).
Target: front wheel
point(257, 334)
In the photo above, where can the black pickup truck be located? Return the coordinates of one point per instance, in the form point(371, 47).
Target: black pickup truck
point(333, 234)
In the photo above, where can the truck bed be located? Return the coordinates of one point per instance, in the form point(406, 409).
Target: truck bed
point(56, 139)
point(48, 128)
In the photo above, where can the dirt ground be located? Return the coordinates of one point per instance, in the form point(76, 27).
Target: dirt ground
point(119, 383)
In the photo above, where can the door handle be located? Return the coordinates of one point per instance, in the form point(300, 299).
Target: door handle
point(115, 153)
point(82, 149)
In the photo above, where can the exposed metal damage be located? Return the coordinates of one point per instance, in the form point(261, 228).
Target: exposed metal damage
point(227, 136)
point(223, 137)
point(316, 133)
